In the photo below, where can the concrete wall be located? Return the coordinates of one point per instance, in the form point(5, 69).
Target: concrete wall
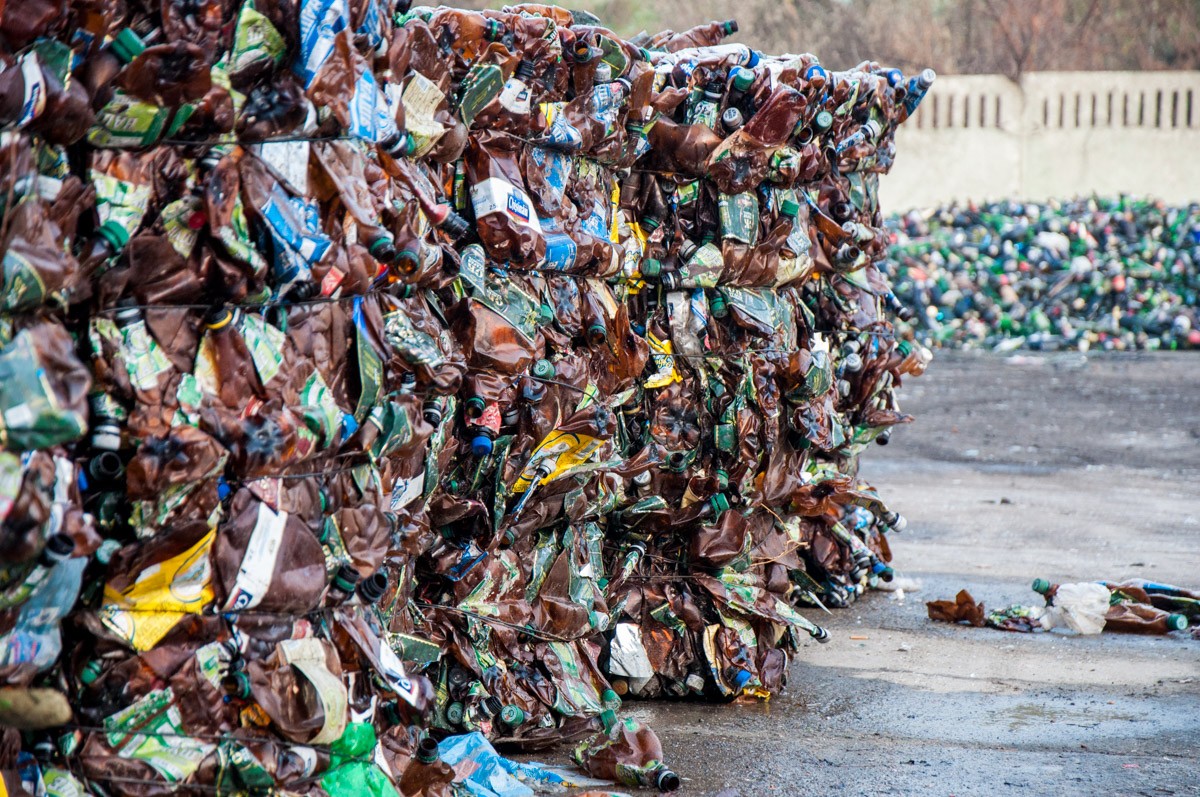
point(1054, 134)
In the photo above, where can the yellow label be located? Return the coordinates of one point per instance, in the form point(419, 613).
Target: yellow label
point(664, 361)
point(562, 452)
point(163, 595)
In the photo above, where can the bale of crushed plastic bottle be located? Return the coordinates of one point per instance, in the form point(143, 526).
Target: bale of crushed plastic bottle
point(371, 375)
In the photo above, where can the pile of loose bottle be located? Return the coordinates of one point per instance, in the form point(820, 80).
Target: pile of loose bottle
point(1092, 273)
point(370, 374)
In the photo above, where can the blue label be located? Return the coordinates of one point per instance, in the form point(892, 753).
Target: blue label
point(371, 116)
point(556, 171)
point(561, 252)
point(294, 224)
point(320, 23)
point(518, 207)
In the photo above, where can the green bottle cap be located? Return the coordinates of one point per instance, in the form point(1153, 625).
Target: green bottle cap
point(382, 248)
point(1041, 586)
point(544, 369)
point(512, 716)
point(650, 223)
point(610, 699)
point(91, 671)
point(904, 347)
point(1177, 622)
point(346, 578)
point(729, 27)
point(719, 504)
point(722, 480)
point(720, 308)
point(597, 333)
point(127, 46)
point(651, 267)
point(824, 121)
point(790, 208)
point(454, 713)
point(494, 30)
point(116, 235)
point(742, 78)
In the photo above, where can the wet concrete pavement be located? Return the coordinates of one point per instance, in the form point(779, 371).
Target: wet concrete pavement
point(1058, 467)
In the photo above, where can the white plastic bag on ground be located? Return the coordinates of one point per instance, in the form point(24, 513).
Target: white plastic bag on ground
point(1080, 607)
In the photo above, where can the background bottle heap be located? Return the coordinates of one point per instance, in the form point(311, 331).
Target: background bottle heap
point(1097, 273)
point(423, 368)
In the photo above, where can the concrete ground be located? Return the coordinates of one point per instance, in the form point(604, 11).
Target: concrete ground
point(1054, 466)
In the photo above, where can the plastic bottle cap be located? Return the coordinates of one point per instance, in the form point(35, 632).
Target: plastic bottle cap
point(651, 223)
point(544, 369)
point(651, 267)
point(667, 780)
point(790, 208)
point(383, 249)
point(346, 578)
point(481, 445)
point(719, 503)
point(454, 713)
point(127, 45)
point(91, 671)
point(58, 547)
point(1041, 586)
point(722, 479)
point(732, 118)
point(218, 318)
point(720, 308)
point(823, 121)
point(743, 78)
point(512, 716)
point(494, 29)
point(894, 77)
point(741, 678)
point(729, 27)
point(597, 333)
point(114, 234)
point(687, 249)
point(371, 589)
point(1177, 622)
point(815, 70)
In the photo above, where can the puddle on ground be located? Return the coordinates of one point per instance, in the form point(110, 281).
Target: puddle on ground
point(1024, 715)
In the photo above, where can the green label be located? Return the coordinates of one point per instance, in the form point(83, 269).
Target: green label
point(255, 41)
point(501, 295)
point(739, 217)
point(481, 85)
point(265, 344)
point(704, 268)
point(128, 123)
point(23, 286)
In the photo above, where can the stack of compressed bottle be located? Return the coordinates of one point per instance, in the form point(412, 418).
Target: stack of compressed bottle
point(371, 374)
point(1088, 274)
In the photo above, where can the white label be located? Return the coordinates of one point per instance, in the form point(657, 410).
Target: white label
point(290, 159)
point(515, 97)
point(258, 564)
point(497, 195)
point(405, 491)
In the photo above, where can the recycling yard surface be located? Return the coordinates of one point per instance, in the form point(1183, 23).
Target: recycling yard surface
point(1055, 466)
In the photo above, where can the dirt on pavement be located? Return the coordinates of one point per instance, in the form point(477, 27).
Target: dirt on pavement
point(1057, 466)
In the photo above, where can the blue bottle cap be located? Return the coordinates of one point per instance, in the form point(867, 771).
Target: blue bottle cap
point(481, 445)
